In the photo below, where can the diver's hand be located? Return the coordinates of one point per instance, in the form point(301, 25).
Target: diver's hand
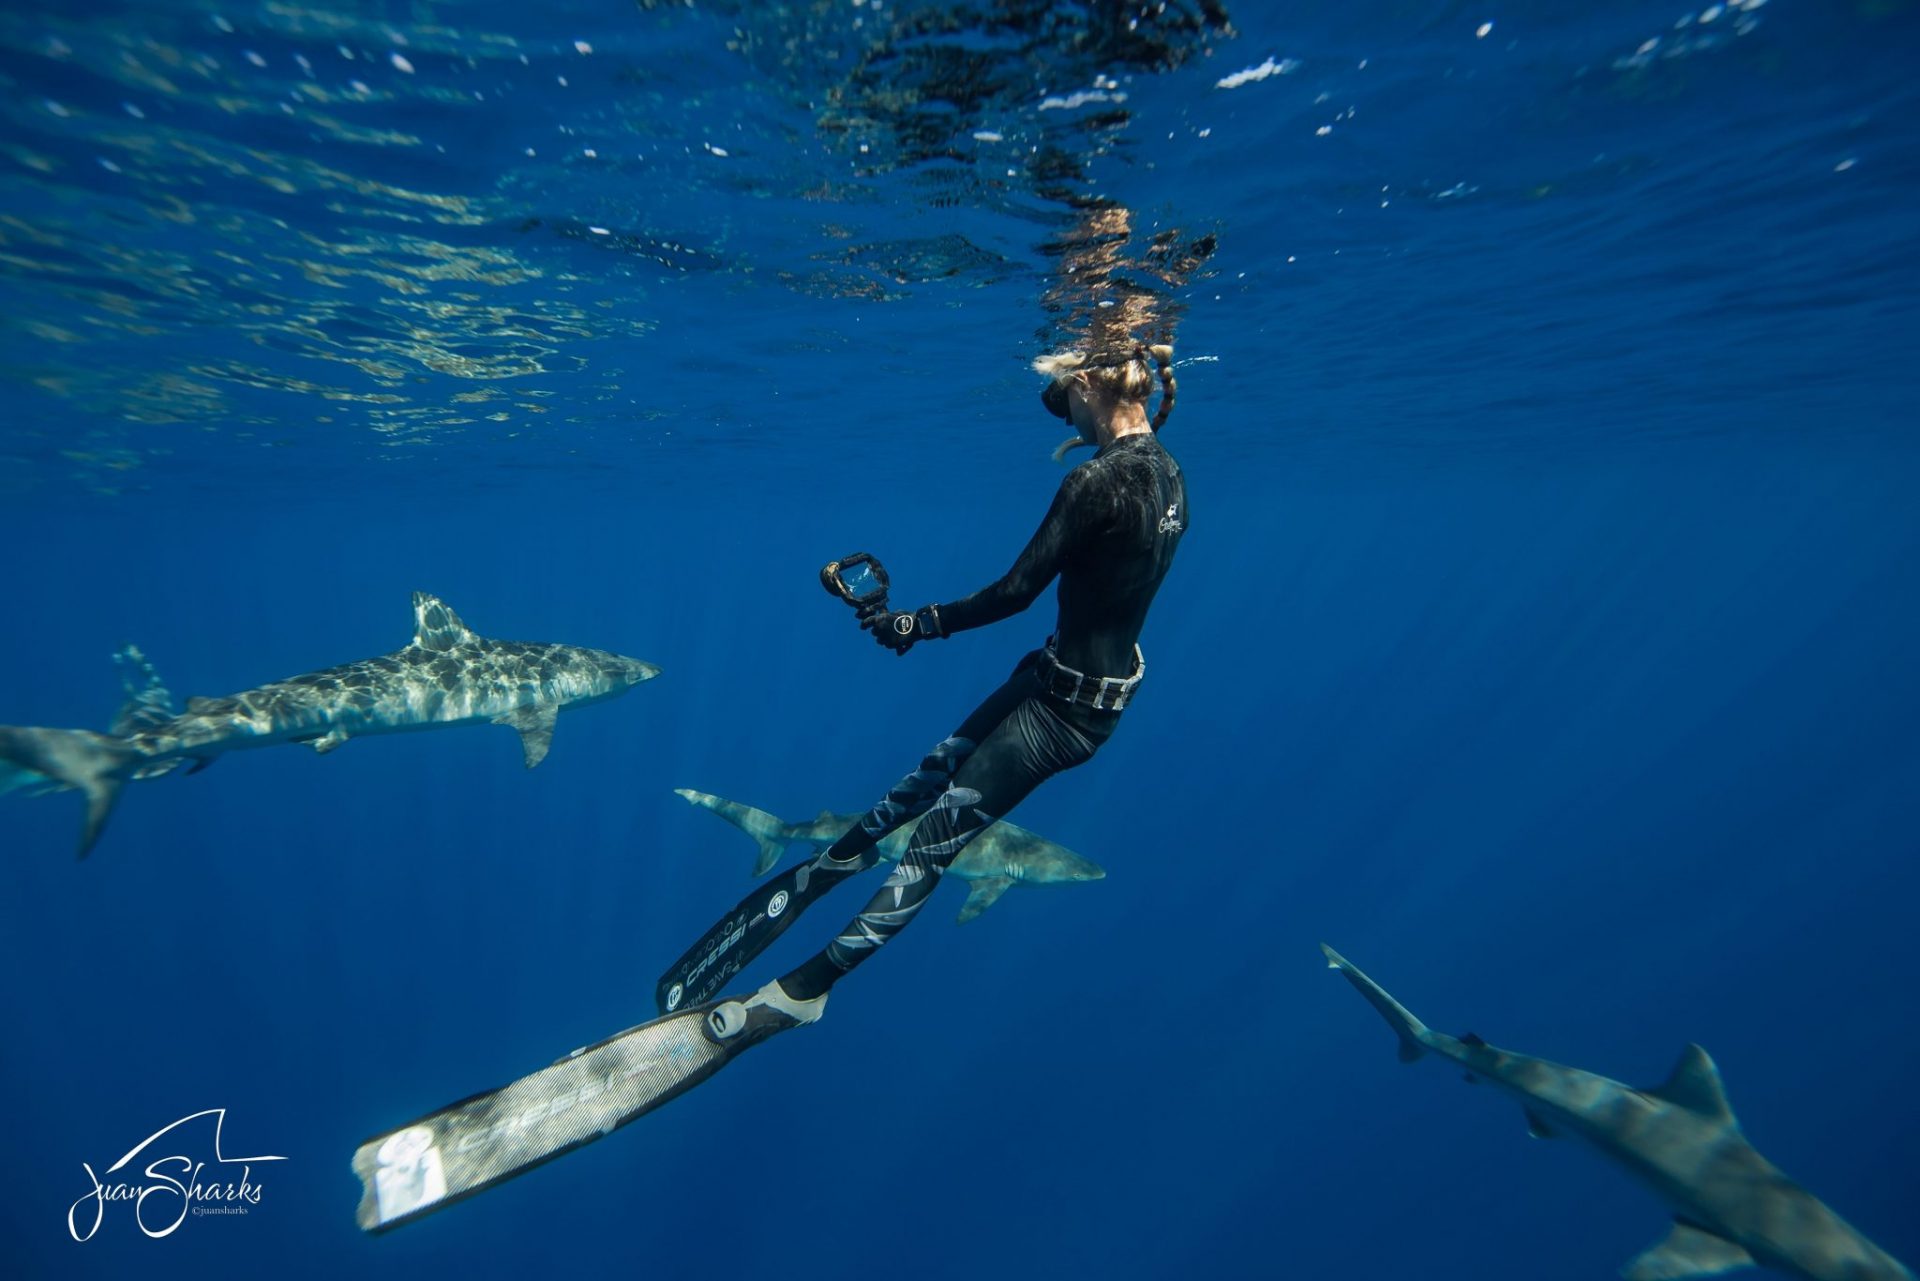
point(890, 630)
point(898, 632)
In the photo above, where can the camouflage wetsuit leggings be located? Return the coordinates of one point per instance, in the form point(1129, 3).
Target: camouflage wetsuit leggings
point(1015, 740)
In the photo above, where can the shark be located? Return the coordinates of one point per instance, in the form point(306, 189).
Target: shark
point(1733, 1209)
point(446, 675)
point(1001, 857)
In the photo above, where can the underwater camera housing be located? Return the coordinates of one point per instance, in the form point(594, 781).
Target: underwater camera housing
point(859, 579)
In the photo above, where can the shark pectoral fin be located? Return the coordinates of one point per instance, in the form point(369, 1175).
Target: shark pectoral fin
point(1694, 1084)
point(1688, 1251)
point(536, 730)
point(329, 740)
point(1539, 1129)
point(200, 764)
point(983, 894)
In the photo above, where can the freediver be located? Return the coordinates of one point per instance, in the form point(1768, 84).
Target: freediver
point(1109, 537)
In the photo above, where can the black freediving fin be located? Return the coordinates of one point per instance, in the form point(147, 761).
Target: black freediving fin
point(471, 1145)
point(760, 918)
point(748, 930)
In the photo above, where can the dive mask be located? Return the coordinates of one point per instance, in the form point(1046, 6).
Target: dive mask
point(1054, 397)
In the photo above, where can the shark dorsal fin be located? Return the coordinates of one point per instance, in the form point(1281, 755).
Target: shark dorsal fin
point(1694, 1084)
point(435, 625)
point(149, 704)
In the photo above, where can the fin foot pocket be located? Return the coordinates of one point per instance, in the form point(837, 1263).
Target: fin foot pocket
point(737, 1024)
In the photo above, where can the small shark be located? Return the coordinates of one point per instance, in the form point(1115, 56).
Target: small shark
point(999, 858)
point(445, 676)
point(1732, 1208)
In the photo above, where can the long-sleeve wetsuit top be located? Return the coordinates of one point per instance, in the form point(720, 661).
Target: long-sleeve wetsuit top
point(1109, 537)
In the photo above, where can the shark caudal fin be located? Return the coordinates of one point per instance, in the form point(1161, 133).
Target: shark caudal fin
point(1412, 1032)
point(94, 764)
point(768, 832)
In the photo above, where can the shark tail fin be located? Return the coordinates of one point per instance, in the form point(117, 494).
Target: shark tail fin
point(1413, 1034)
point(768, 832)
point(95, 764)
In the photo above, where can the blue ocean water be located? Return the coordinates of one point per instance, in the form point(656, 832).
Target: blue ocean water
point(1543, 638)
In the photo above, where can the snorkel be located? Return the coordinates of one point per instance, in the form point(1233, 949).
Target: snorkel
point(1054, 397)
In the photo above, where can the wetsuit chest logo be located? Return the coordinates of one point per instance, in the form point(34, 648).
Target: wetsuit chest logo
point(1170, 523)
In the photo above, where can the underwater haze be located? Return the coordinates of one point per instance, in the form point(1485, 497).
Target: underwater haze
point(1543, 638)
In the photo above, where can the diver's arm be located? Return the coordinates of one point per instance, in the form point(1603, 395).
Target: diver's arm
point(1039, 564)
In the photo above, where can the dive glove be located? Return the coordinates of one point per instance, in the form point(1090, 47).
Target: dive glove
point(898, 632)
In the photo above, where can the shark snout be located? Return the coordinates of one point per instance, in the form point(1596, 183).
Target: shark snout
point(631, 671)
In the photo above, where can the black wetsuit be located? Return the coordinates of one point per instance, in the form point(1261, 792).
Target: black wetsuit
point(1109, 537)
